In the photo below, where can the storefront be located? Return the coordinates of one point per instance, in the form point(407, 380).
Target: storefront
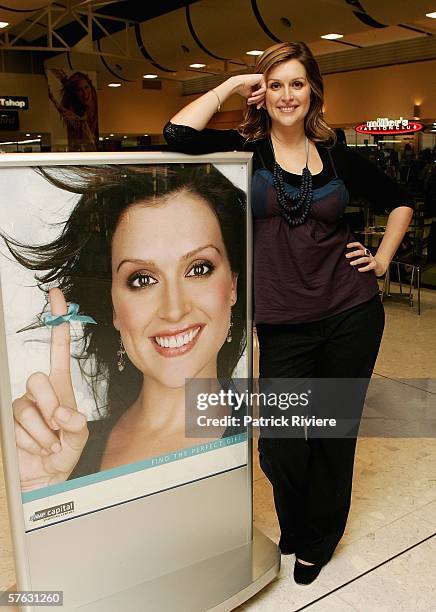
point(405, 149)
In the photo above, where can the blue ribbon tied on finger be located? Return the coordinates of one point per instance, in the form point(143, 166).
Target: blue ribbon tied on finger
point(72, 315)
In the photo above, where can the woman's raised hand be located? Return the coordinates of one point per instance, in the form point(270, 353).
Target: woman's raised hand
point(50, 432)
point(253, 88)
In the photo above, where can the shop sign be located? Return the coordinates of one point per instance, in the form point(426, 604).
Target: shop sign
point(384, 125)
point(9, 120)
point(14, 102)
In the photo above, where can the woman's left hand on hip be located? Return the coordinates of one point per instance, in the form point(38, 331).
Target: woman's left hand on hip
point(364, 256)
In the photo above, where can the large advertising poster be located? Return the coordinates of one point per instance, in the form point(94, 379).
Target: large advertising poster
point(73, 109)
point(119, 283)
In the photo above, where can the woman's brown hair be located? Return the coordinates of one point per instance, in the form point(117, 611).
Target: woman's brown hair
point(256, 123)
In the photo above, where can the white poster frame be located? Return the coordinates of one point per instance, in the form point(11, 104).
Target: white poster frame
point(232, 532)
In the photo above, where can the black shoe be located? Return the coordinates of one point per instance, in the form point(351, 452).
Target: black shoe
point(305, 574)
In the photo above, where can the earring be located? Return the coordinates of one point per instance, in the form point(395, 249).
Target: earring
point(121, 362)
point(229, 333)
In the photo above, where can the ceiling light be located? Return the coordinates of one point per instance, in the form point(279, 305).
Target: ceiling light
point(124, 136)
point(39, 136)
point(4, 24)
point(197, 65)
point(111, 135)
point(15, 142)
point(27, 135)
point(145, 134)
point(149, 76)
point(431, 15)
point(114, 85)
point(254, 52)
point(332, 36)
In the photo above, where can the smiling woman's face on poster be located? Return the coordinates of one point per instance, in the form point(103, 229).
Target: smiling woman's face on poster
point(172, 306)
point(143, 282)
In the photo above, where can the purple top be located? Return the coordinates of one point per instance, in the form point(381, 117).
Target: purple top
point(301, 273)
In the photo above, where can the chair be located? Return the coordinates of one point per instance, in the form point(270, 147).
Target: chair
point(417, 265)
point(415, 258)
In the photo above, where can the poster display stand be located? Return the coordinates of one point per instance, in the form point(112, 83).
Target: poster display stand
point(121, 277)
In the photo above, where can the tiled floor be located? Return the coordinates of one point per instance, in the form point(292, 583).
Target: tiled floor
point(386, 560)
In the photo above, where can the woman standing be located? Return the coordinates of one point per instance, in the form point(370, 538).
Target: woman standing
point(317, 309)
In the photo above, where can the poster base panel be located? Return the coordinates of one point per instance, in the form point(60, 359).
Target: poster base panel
point(217, 584)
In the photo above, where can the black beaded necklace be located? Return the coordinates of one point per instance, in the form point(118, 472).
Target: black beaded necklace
point(294, 209)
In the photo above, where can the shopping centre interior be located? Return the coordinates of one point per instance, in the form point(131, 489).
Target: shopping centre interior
point(142, 62)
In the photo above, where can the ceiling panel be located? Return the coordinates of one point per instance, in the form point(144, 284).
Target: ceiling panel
point(225, 29)
point(398, 11)
point(164, 38)
point(20, 10)
point(321, 47)
point(235, 28)
point(428, 23)
point(381, 37)
point(310, 19)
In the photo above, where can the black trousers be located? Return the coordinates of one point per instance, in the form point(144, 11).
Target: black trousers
point(312, 478)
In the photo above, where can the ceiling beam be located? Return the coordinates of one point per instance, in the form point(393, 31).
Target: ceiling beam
point(55, 40)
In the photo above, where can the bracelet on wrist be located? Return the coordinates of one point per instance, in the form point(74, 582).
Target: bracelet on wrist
point(218, 98)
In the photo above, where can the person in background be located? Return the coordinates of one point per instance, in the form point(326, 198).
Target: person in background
point(393, 166)
point(78, 109)
point(407, 157)
point(340, 136)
